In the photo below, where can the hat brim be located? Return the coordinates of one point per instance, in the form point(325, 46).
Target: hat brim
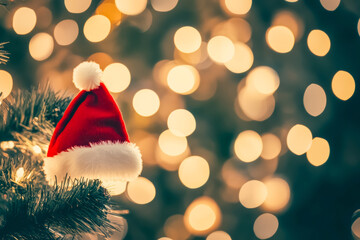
point(116, 161)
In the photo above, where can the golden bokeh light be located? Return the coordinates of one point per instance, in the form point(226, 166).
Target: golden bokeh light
point(238, 7)
point(141, 190)
point(252, 194)
point(355, 227)
point(19, 174)
point(280, 39)
point(6, 84)
point(291, 21)
point(66, 32)
point(254, 105)
point(314, 100)
point(174, 228)
point(108, 9)
point(181, 122)
point(358, 27)
point(36, 149)
point(271, 146)
point(291, 1)
point(218, 235)
point(117, 78)
point(114, 187)
point(264, 79)
point(330, 5)
point(319, 152)
point(236, 29)
point(41, 46)
point(248, 146)
point(146, 102)
point(278, 194)
point(187, 39)
point(299, 139)
point(24, 20)
point(97, 28)
point(194, 172)
point(171, 144)
point(318, 42)
point(165, 238)
point(164, 5)
point(221, 49)
point(265, 226)
point(202, 216)
point(101, 58)
point(131, 7)
point(183, 79)
point(343, 85)
point(5, 145)
point(77, 6)
point(242, 60)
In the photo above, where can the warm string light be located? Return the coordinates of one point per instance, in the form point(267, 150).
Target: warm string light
point(141, 190)
point(66, 32)
point(164, 5)
point(314, 100)
point(146, 102)
point(202, 216)
point(248, 146)
point(343, 85)
point(19, 174)
point(299, 139)
point(24, 20)
point(265, 226)
point(41, 46)
point(280, 39)
point(97, 28)
point(330, 5)
point(194, 172)
point(6, 84)
point(318, 42)
point(218, 235)
point(77, 6)
point(116, 77)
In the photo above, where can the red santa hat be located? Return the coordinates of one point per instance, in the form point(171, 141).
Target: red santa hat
point(91, 140)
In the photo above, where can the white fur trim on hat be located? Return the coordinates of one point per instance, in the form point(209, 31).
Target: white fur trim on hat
point(87, 76)
point(120, 161)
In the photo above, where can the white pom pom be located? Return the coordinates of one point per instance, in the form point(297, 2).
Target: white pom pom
point(87, 76)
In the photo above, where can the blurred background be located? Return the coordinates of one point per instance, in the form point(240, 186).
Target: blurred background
point(246, 112)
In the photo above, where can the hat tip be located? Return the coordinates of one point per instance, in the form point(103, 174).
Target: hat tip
point(87, 76)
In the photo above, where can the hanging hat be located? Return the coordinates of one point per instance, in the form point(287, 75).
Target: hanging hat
point(91, 140)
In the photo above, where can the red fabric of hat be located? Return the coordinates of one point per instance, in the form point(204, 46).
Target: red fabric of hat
point(91, 140)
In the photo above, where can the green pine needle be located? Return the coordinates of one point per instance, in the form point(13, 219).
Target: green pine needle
point(4, 56)
point(72, 207)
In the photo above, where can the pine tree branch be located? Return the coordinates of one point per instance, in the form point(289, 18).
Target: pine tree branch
point(22, 108)
point(4, 56)
point(73, 207)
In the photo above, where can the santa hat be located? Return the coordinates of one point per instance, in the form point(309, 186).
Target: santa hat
point(91, 140)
